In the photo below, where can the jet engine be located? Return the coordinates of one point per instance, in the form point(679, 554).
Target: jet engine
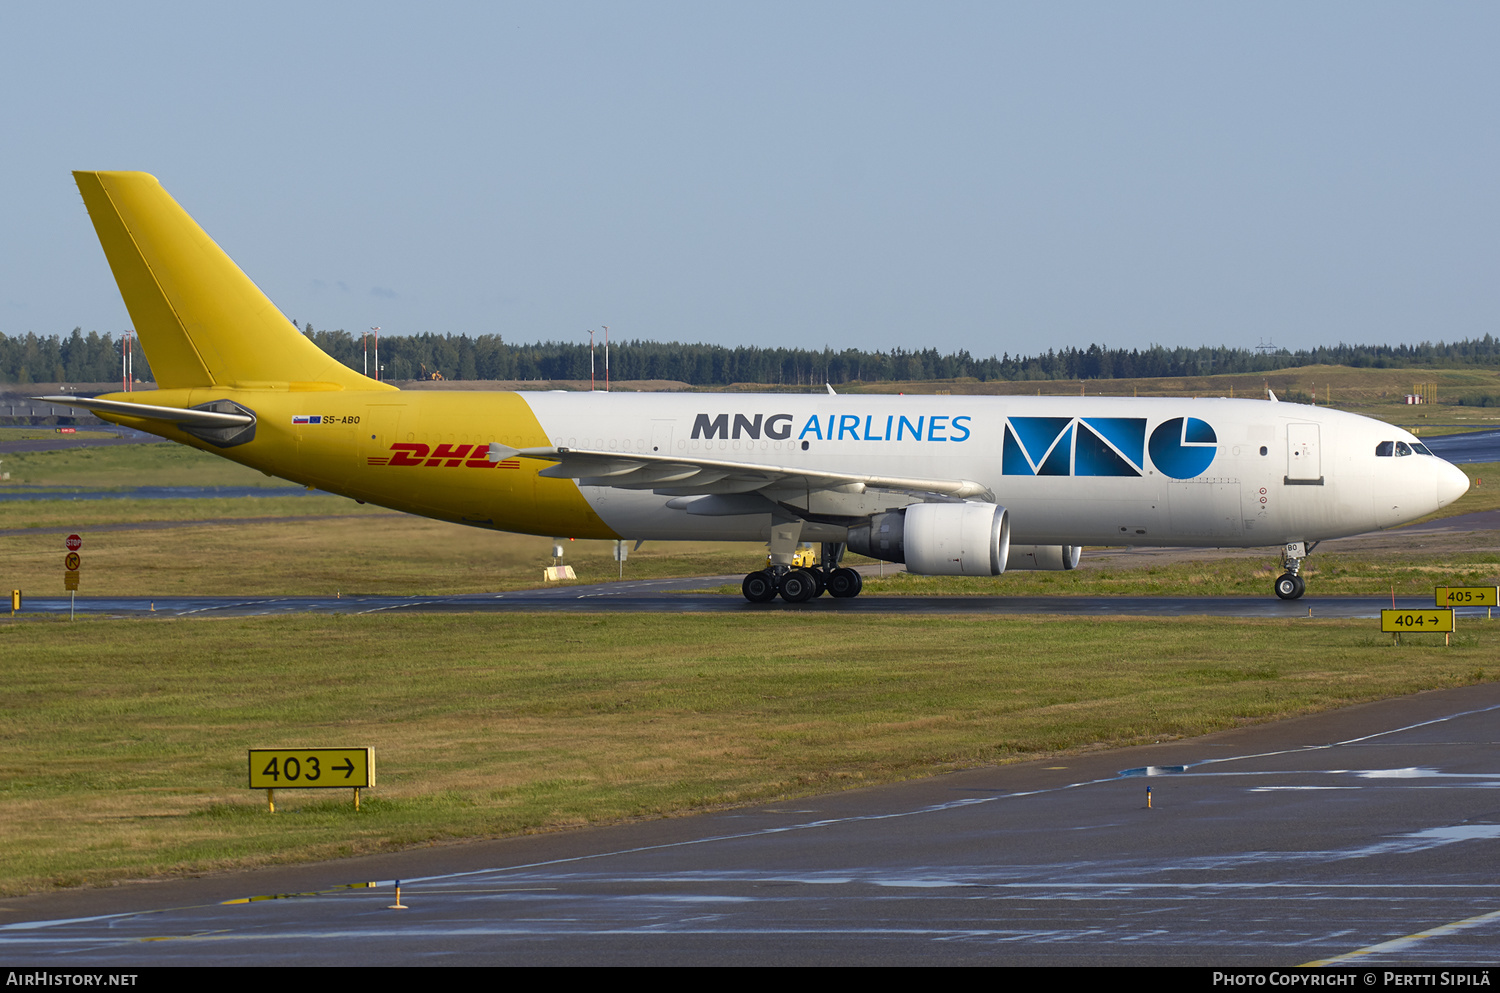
point(1049, 557)
point(939, 539)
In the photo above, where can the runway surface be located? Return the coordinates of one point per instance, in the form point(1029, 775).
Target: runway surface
point(1472, 446)
point(657, 596)
point(1361, 837)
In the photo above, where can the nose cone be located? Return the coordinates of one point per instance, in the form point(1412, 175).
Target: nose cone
point(1452, 483)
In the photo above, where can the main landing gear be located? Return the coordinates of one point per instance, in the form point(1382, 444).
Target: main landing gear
point(1289, 585)
point(799, 585)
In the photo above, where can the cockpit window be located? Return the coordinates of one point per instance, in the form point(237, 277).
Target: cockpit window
point(1387, 449)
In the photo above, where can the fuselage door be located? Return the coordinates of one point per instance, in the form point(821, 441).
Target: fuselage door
point(1304, 460)
point(378, 432)
point(661, 437)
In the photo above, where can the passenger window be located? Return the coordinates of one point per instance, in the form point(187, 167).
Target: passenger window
point(1385, 449)
point(1402, 448)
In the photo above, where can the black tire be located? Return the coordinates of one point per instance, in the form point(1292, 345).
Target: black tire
point(821, 578)
point(845, 583)
point(759, 587)
point(798, 586)
point(1290, 587)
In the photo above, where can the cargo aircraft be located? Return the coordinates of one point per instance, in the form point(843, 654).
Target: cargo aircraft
point(948, 485)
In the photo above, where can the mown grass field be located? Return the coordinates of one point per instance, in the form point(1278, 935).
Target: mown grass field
point(125, 741)
point(123, 467)
point(8, 433)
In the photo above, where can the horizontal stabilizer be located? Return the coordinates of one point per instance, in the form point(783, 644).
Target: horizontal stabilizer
point(176, 415)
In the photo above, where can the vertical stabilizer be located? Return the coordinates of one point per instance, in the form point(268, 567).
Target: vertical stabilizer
point(201, 321)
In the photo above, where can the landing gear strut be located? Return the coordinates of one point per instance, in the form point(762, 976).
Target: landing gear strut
point(1290, 585)
point(799, 585)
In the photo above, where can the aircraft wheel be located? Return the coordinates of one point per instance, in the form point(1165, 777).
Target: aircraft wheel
point(1290, 587)
point(821, 578)
point(798, 586)
point(845, 583)
point(759, 587)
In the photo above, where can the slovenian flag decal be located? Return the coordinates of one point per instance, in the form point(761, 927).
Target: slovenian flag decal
point(307, 418)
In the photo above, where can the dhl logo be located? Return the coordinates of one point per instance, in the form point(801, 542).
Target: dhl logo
point(448, 456)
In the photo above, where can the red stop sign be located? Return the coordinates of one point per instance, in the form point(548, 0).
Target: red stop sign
point(74, 543)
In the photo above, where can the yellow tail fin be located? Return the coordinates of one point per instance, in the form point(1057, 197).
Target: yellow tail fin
point(201, 321)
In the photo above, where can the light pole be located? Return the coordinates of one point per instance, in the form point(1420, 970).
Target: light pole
point(377, 355)
point(127, 362)
point(606, 358)
point(591, 360)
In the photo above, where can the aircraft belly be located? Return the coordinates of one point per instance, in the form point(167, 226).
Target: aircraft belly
point(1072, 510)
point(640, 514)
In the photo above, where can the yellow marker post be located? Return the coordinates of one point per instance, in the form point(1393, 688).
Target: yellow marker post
point(15, 602)
point(311, 769)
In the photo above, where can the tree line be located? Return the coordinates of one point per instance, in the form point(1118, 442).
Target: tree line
point(93, 358)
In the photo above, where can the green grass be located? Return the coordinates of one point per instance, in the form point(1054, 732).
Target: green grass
point(121, 467)
point(49, 434)
point(124, 741)
point(362, 550)
point(56, 512)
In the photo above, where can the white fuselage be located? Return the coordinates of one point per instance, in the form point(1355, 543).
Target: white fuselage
point(1070, 470)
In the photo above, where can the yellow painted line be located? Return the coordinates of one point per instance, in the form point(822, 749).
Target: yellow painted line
point(1399, 944)
point(187, 937)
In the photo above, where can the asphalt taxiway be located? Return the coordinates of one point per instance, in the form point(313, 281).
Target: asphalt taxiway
point(657, 596)
point(1361, 837)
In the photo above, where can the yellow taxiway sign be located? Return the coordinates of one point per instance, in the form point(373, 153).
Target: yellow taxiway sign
point(311, 768)
point(1408, 621)
point(1467, 596)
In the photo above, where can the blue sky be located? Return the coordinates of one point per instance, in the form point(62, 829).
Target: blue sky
point(989, 176)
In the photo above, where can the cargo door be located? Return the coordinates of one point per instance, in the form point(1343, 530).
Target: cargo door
point(1304, 459)
point(377, 432)
point(661, 437)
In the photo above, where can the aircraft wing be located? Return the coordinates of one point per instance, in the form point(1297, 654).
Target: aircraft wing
point(188, 416)
point(671, 475)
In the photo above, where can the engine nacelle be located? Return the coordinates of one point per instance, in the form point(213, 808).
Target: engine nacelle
point(939, 539)
point(1049, 557)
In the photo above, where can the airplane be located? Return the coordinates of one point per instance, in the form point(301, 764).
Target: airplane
point(947, 485)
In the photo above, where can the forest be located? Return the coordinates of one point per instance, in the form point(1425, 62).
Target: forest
point(96, 358)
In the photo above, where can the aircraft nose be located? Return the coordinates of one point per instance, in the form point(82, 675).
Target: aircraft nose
point(1452, 483)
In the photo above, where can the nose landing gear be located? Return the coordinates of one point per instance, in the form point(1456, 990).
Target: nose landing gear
point(1290, 585)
